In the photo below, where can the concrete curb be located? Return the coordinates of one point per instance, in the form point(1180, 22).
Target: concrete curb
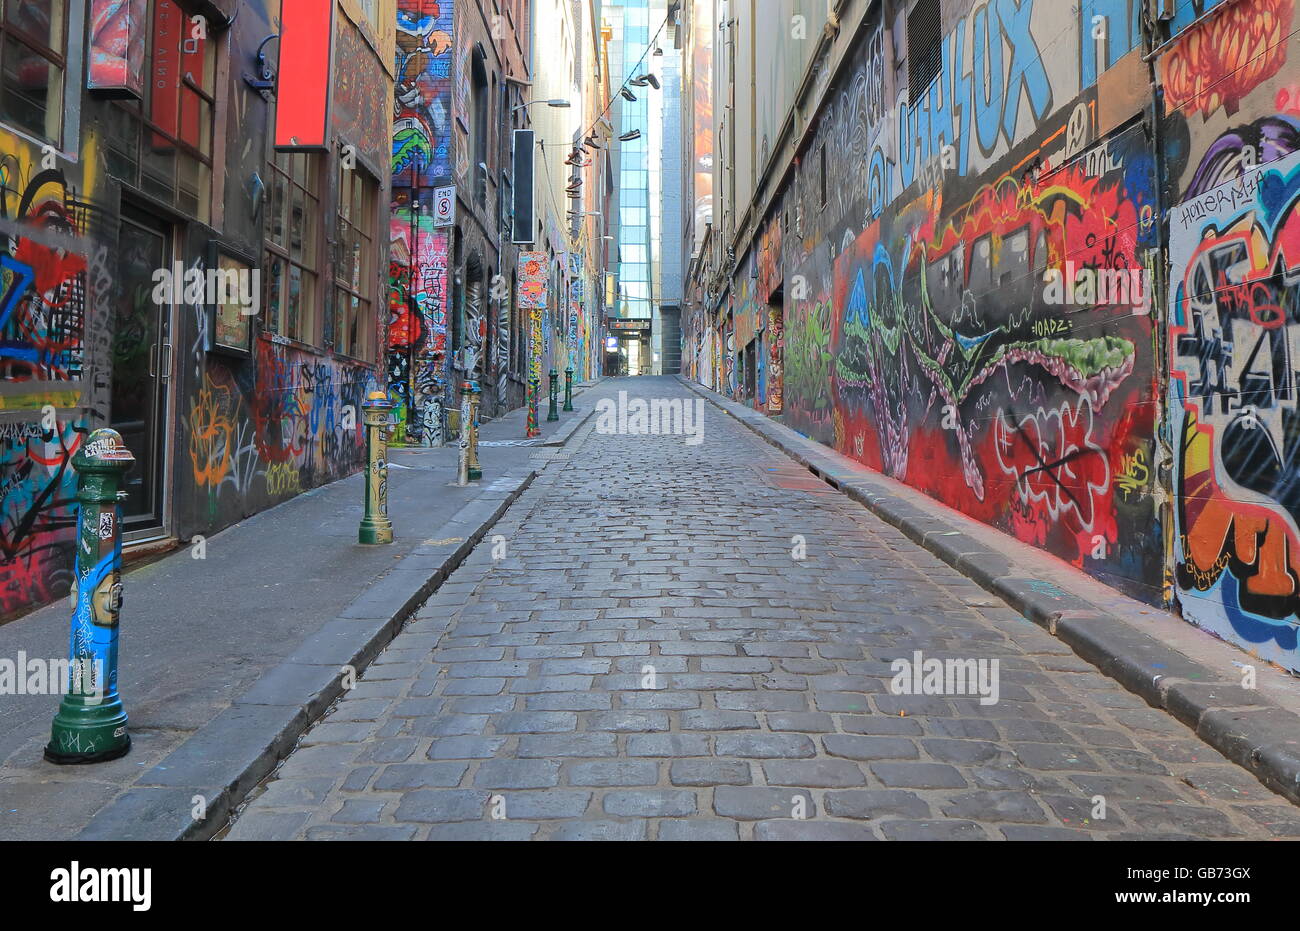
point(565, 433)
point(562, 435)
point(569, 427)
point(231, 754)
point(1246, 728)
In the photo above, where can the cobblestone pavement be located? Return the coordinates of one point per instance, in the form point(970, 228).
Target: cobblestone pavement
point(644, 658)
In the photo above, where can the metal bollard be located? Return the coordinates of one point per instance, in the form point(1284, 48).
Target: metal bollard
point(552, 413)
point(475, 472)
point(568, 388)
point(462, 474)
point(375, 527)
point(90, 726)
point(533, 428)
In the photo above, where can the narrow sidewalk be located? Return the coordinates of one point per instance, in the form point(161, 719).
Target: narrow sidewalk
point(226, 658)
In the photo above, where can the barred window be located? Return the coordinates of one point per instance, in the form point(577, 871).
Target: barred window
point(924, 48)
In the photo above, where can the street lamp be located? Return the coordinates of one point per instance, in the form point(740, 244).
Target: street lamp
point(557, 102)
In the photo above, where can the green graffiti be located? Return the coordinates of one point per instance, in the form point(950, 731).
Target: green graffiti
point(808, 358)
point(873, 334)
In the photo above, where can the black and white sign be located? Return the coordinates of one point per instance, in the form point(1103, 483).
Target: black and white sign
point(444, 205)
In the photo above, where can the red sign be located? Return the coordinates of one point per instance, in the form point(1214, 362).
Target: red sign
point(303, 81)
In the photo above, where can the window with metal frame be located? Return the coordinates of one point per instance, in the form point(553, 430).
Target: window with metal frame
point(163, 144)
point(293, 244)
point(33, 37)
point(354, 319)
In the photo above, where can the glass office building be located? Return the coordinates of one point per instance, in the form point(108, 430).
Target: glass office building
point(630, 56)
point(666, 198)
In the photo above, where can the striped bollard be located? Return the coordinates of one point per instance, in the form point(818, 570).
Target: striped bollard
point(375, 527)
point(90, 726)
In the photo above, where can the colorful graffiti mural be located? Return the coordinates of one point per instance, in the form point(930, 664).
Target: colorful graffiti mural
point(808, 358)
point(532, 280)
point(416, 358)
point(305, 416)
point(575, 324)
point(422, 115)
point(51, 276)
point(418, 296)
point(1234, 326)
point(774, 384)
point(1235, 342)
point(262, 437)
point(1218, 63)
point(920, 334)
point(954, 372)
point(1052, 301)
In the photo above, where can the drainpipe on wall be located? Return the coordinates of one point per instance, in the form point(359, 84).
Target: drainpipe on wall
point(1158, 290)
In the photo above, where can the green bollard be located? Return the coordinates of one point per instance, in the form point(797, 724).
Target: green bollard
point(568, 388)
point(376, 528)
point(90, 726)
point(475, 472)
point(553, 413)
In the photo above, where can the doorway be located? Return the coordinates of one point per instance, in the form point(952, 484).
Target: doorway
point(750, 362)
point(142, 363)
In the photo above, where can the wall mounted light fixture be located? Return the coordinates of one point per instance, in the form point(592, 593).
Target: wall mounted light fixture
point(264, 81)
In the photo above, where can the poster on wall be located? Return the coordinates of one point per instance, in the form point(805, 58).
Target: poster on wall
point(235, 295)
point(532, 279)
point(117, 43)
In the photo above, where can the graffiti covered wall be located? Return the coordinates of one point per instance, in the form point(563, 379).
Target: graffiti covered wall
point(417, 326)
point(920, 332)
point(1056, 289)
point(85, 340)
point(251, 432)
point(56, 291)
point(420, 255)
point(261, 434)
point(1232, 163)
